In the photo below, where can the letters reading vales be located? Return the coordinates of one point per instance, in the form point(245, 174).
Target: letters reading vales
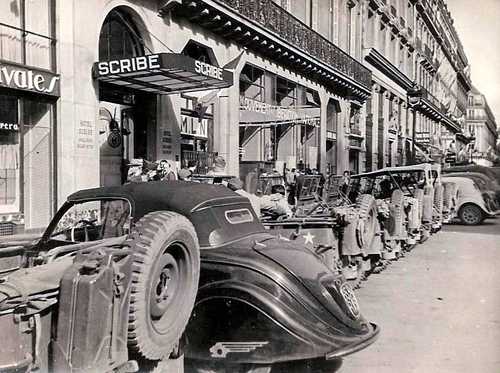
point(27, 79)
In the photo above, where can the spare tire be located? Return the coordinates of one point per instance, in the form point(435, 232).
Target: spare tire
point(165, 278)
point(396, 218)
point(428, 202)
point(414, 220)
point(419, 195)
point(349, 245)
point(449, 192)
point(438, 201)
point(367, 228)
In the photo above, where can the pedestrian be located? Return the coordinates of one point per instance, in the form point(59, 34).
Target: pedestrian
point(165, 171)
point(346, 179)
point(291, 183)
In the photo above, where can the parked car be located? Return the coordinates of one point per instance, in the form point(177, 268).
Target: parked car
point(339, 231)
point(405, 198)
point(488, 186)
point(471, 207)
point(115, 277)
point(491, 172)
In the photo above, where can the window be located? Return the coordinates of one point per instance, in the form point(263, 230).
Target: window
point(252, 83)
point(239, 216)
point(119, 38)
point(285, 93)
point(93, 220)
point(9, 154)
point(26, 35)
point(26, 158)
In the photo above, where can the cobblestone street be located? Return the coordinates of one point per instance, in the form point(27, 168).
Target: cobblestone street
point(437, 307)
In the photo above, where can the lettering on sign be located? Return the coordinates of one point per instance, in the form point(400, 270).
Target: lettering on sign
point(129, 65)
point(208, 70)
point(15, 77)
point(166, 142)
point(279, 112)
point(9, 126)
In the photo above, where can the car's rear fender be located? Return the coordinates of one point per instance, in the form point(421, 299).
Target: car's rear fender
point(255, 321)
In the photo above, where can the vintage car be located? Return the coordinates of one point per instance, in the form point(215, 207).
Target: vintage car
point(119, 272)
point(488, 186)
point(471, 207)
point(404, 199)
point(491, 172)
point(340, 231)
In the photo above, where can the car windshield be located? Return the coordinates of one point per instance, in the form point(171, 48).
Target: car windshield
point(93, 220)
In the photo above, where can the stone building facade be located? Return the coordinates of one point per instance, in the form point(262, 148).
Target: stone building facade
point(88, 86)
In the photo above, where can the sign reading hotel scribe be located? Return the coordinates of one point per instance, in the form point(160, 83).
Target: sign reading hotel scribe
point(18, 77)
point(162, 73)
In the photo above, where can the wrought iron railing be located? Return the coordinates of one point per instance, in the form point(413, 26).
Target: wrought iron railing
point(277, 20)
point(423, 93)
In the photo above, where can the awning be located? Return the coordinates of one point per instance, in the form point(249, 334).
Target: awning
point(163, 73)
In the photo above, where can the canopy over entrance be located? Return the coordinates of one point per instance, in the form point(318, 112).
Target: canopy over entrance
point(163, 73)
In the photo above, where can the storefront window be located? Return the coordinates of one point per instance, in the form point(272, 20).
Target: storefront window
point(31, 44)
point(9, 154)
point(252, 83)
point(37, 158)
point(25, 158)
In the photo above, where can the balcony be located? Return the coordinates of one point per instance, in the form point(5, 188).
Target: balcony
point(268, 29)
point(424, 101)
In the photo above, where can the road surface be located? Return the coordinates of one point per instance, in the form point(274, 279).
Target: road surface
point(438, 308)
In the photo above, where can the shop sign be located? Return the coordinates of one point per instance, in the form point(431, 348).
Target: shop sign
point(276, 113)
point(423, 138)
point(206, 69)
point(128, 65)
point(17, 77)
point(193, 126)
point(9, 126)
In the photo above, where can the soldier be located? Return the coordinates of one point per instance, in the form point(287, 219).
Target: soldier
point(275, 204)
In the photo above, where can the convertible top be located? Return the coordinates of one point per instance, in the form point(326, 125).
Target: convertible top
point(179, 196)
point(395, 170)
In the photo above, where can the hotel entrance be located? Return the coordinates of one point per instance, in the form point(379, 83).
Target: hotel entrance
point(136, 118)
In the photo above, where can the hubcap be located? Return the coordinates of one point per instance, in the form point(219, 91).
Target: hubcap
point(471, 215)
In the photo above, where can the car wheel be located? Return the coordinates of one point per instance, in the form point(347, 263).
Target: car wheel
point(166, 271)
point(471, 214)
point(367, 224)
point(396, 208)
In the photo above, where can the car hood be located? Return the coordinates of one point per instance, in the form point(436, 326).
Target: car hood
point(298, 271)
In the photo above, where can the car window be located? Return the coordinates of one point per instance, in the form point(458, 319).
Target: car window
point(239, 216)
point(93, 220)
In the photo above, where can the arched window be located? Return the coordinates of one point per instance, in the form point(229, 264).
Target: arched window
point(119, 38)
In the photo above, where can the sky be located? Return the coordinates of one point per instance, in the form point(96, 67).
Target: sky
point(478, 26)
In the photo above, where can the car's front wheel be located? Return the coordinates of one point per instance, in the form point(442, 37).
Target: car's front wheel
point(471, 214)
